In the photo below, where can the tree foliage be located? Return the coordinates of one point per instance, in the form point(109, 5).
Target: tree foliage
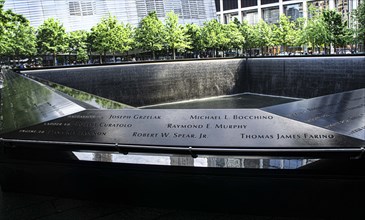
point(264, 35)
point(213, 35)
point(22, 40)
point(249, 35)
point(77, 44)
point(359, 24)
point(176, 34)
point(285, 32)
point(235, 38)
point(150, 35)
point(109, 35)
point(17, 37)
point(322, 28)
point(336, 28)
point(315, 33)
point(194, 33)
point(51, 38)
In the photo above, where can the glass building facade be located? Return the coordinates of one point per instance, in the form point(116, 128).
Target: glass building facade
point(83, 14)
point(270, 10)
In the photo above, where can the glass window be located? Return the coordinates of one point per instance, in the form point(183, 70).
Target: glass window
point(319, 5)
point(230, 17)
point(343, 7)
point(264, 2)
point(75, 8)
point(251, 17)
point(217, 5)
point(294, 11)
point(248, 3)
point(271, 15)
point(230, 4)
point(78, 8)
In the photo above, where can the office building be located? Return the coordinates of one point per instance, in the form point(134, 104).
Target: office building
point(83, 14)
point(270, 10)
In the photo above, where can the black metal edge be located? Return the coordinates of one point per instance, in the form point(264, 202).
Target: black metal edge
point(194, 151)
point(193, 59)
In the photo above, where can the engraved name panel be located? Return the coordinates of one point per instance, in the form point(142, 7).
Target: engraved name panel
point(244, 128)
point(342, 112)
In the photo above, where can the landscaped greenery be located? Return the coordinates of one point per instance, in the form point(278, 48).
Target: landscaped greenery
point(316, 34)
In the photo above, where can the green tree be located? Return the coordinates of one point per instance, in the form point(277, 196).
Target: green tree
point(96, 39)
point(109, 35)
point(21, 40)
point(285, 32)
point(234, 36)
point(122, 38)
point(315, 32)
point(359, 24)
point(250, 36)
point(214, 36)
point(176, 34)
point(77, 44)
point(337, 29)
point(264, 35)
point(126, 38)
point(150, 34)
point(194, 32)
point(16, 35)
point(299, 25)
point(51, 38)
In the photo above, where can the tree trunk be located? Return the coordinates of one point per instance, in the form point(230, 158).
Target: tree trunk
point(54, 59)
point(173, 53)
point(114, 56)
point(153, 55)
point(14, 61)
point(100, 59)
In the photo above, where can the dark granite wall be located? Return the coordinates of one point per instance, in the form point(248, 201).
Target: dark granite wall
point(305, 77)
point(152, 83)
point(161, 82)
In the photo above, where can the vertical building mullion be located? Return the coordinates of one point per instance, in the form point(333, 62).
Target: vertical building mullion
point(305, 9)
point(259, 10)
point(332, 4)
point(281, 7)
point(222, 9)
point(239, 11)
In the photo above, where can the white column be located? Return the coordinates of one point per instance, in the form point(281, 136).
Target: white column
point(281, 7)
point(305, 16)
point(239, 11)
point(281, 164)
point(305, 9)
point(221, 6)
point(261, 163)
point(332, 4)
point(259, 11)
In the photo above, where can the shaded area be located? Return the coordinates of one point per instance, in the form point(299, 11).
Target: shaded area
point(343, 113)
point(16, 206)
point(226, 102)
point(25, 102)
point(201, 131)
point(92, 100)
point(141, 84)
point(331, 188)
